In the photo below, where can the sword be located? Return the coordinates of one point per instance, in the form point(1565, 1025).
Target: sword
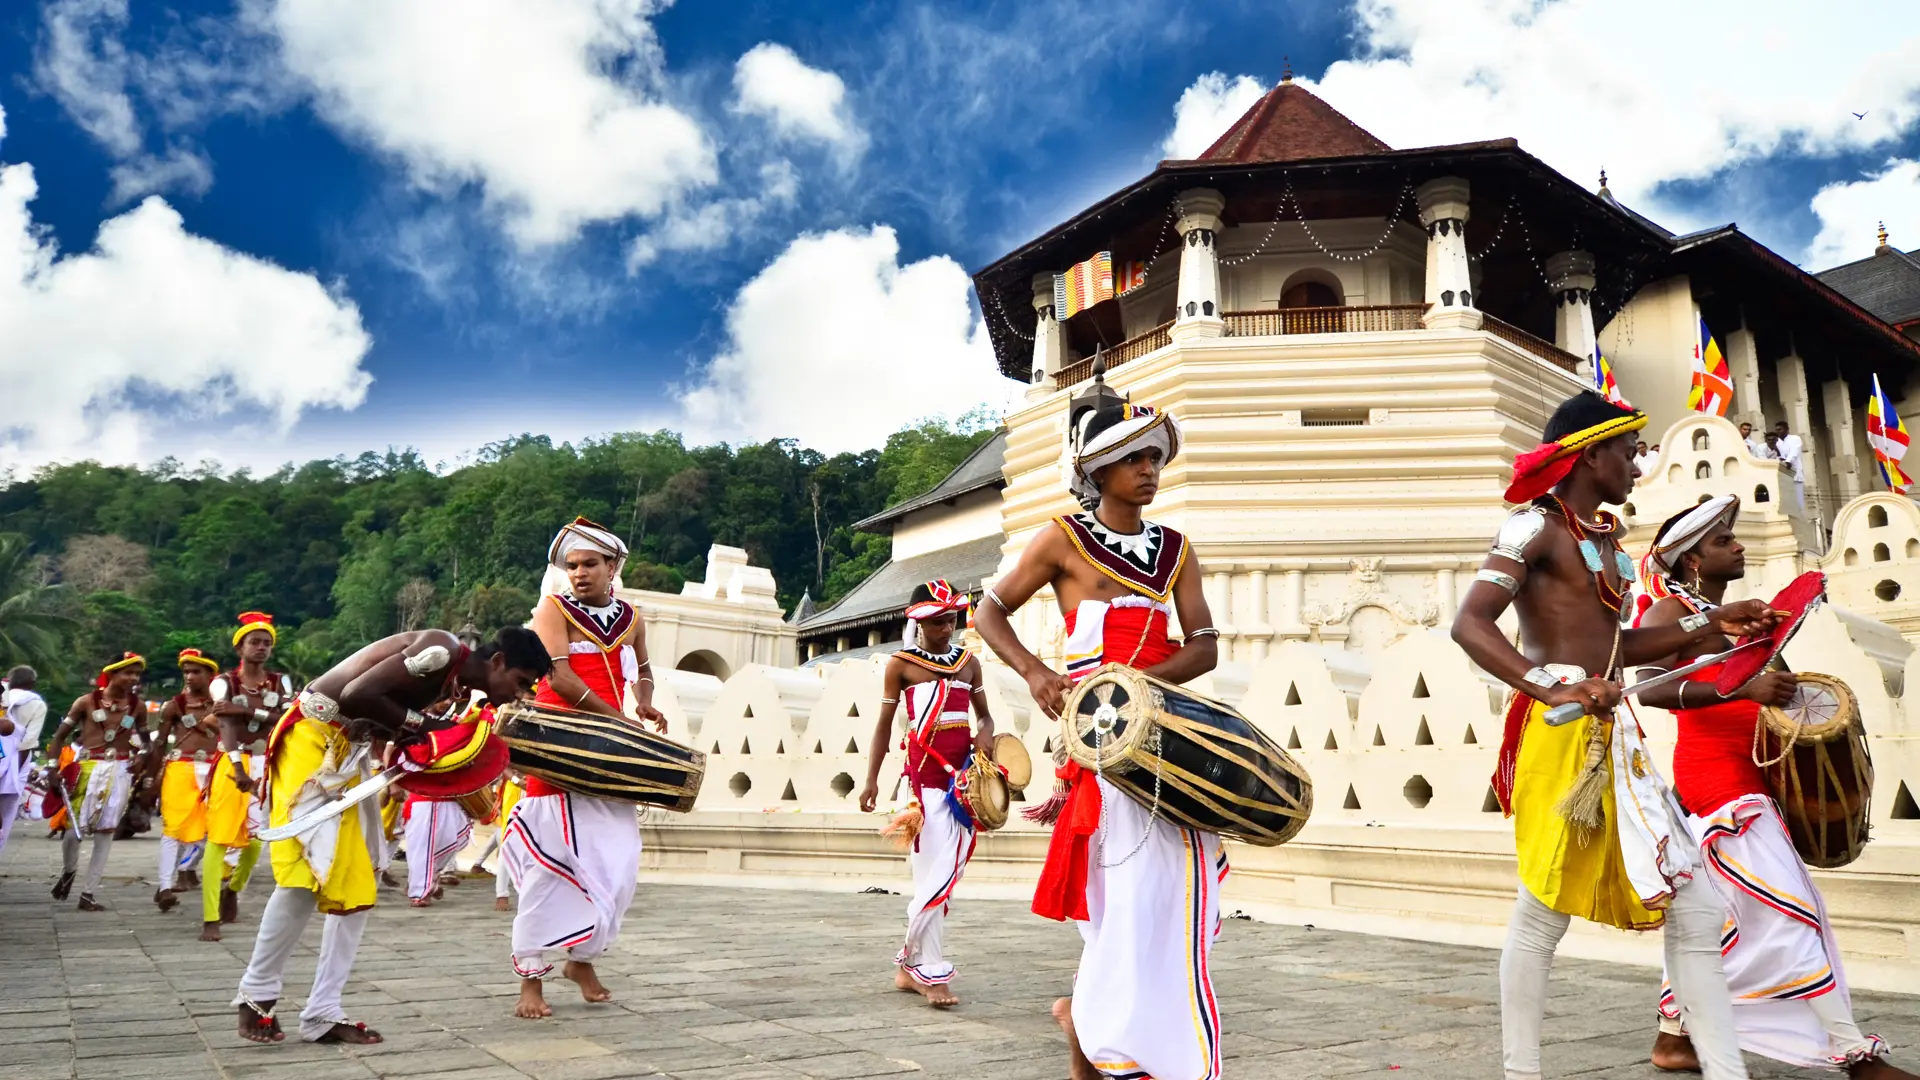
point(1573, 710)
point(335, 806)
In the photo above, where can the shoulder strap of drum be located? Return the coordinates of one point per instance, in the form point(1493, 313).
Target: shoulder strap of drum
point(932, 718)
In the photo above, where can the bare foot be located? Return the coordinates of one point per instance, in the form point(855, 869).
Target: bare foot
point(1674, 1053)
point(939, 995)
point(449, 878)
point(1078, 1067)
point(210, 931)
point(500, 903)
point(1877, 1068)
point(533, 1001)
point(388, 880)
point(260, 1026)
point(229, 905)
point(422, 901)
point(904, 981)
point(582, 974)
point(437, 893)
point(88, 903)
point(357, 1034)
point(165, 900)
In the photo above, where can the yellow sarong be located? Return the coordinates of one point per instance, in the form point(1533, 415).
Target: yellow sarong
point(183, 815)
point(350, 883)
point(510, 793)
point(227, 808)
point(1570, 872)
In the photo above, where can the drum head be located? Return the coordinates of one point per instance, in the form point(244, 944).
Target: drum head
point(986, 796)
point(1011, 755)
point(1108, 716)
point(1823, 708)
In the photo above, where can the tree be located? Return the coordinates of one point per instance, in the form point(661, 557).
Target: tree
point(415, 604)
point(33, 626)
point(94, 563)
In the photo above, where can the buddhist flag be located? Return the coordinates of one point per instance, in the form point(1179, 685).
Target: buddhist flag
point(1603, 380)
point(1132, 275)
point(1712, 389)
point(1085, 285)
point(1888, 437)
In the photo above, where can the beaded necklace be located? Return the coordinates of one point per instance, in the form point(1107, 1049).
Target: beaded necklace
point(1613, 597)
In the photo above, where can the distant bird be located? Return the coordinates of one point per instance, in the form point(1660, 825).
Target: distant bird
point(1861, 115)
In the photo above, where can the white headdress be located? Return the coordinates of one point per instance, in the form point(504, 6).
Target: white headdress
point(577, 535)
point(1684, 534)
point(1103, 428)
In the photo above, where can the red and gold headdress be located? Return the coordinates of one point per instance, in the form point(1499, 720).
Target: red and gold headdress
point(933, 599)
point(127, 660)
point(1582, 420)
point(255, 620)
point(195, 656)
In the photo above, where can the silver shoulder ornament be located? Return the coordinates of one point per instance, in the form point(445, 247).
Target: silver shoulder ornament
point(431, 659)
point(1517, 532)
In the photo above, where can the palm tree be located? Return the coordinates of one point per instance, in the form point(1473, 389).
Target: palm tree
point(32, 627)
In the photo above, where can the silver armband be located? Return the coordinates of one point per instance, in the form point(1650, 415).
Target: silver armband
point(1499, 580)
point(1691, 623)
point(262, 713)
point(997, 602)
point(1541, 677)
point(1517, 532)
point(1205, 631)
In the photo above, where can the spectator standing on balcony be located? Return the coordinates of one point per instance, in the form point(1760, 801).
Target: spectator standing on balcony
point(1792, 453)
point(1758, 444)
point(1643, 459)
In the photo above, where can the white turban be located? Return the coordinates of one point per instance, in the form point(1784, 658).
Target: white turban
point(1684, 534)
point(1099, 437)
point(580, 534)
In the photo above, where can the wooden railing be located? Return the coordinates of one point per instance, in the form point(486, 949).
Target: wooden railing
point(1272, 322)
point(1540, 347)
point(1131, 349)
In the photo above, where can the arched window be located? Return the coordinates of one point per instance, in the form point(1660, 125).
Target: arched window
point(1700, 440)
point(1702, 471)
point(1876, 517)
point(1760, 494)
point(1881, 554)
point(1312, 288)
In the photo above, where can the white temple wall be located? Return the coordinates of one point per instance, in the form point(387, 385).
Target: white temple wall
point(969, 517)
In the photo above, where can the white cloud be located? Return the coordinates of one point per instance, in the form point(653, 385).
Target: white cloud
point(1850, 214)
point(770, 81)
point(1205, 111)
point(552, 107)
point(1649, 89)
point(837, 344)
point(708, 226)
point(109, 352)
point(179, 169)
point(82, 64)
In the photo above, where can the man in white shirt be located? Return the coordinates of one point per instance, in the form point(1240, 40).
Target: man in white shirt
point(22, 714)
point(1757, 443)
point(1792, 453)
point(1643, 459)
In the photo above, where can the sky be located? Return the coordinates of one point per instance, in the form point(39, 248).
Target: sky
point(256, 231)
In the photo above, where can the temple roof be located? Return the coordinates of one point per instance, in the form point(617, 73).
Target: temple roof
point(1290, 123)
point(883, 596)
point(981, 469)
point(1886, 283)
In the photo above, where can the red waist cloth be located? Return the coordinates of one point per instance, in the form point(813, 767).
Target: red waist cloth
point(1713, 756)
point(1136, 636)
point(601, 672)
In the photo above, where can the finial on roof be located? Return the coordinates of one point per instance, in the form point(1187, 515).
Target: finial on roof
point(1603, 181)
point(1883, 236)
point(1099, 365)
point(1286, 72)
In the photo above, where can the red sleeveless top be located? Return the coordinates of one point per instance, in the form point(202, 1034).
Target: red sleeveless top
point(601, 673)
point(1713, 756)
point(952, 736)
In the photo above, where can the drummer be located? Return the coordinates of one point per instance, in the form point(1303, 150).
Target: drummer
point(1143, 1001)
point(937, 679)
point(320, 746)
point(1782, 963)
point(1607, 847)
point(575, 859)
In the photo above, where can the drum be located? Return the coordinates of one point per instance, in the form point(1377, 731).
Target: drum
point(595, 755)
point(1187, 758)
point(482, 806)
point(983, 789)
point(1011, 755)
point(1813, 751)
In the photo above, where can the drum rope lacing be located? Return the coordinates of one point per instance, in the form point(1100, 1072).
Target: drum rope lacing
point(1099, 755)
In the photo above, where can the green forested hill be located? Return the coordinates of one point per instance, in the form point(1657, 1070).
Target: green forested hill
point(109, 558)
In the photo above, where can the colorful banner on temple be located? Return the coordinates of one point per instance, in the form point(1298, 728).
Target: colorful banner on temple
point(1604, 382)
point(1712, 389)
point(1083, 286)
point(1132, 275)
point(1888, 437)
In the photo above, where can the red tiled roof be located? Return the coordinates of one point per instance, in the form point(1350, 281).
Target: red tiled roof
point(1291, 124)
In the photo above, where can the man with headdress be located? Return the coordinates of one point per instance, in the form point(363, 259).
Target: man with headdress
point(938, 681)
point(322, 747)
point(181, 763)
point(110, 721)
point(575, 859)
point(1782, 963)
point(1143, 1000)
point(1598, 832)
point(248, 698)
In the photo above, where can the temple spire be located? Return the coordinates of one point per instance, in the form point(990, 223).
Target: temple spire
point(1883, 238)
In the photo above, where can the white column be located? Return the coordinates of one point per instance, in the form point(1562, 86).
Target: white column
point(1049, 339)
point(1198, 296)
point(1223, 611)
point(1743, 360)
point(1790, 374)
point(1443, 212)
point(1293, 601)
point(1443, 584)
point(1843, 461)
point(1257, 630)
point(1571, 279)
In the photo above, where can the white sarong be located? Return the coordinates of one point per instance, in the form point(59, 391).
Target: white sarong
point(436, 831)
point(1789, 991)
point(105, 788)
point(575, 862)
point(938, 858)
point(1143, 1001)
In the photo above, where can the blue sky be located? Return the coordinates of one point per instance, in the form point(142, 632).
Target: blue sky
point(262, 230)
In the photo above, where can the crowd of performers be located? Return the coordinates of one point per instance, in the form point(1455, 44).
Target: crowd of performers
point(1751, 961)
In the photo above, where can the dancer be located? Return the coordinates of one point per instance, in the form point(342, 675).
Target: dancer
point(1144, 890)
point(1783, 966)
point(437, 829)
point(1598, 832)
point(249, 698)
point(181, 771)
point(937, 680)
point(22, 714)
point(109, 721)
point(575, 860)
point(321, 747)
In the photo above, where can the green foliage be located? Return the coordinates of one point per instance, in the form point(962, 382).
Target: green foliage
point(328, 546)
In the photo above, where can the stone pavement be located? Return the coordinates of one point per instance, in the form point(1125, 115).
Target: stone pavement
point(736, 984)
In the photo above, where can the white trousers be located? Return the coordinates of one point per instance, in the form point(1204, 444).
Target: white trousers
point(575, 862)
point(281, 923)
point(436, 831)
point(1694, 918)
point(1143, 998)
point(96, 865)
point(175, 857)
point(938, 858)
point(10, 808)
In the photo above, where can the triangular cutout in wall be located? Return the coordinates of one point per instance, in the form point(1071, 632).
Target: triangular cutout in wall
point(745, 748)
point(818, 748)
point(1331, 743)
point(1424, 736)
point(748, 714)
point(1420, 686)
point(1904, 808)
point(1353, 799)
point(852, 747)
point(1491, 804)
point(780, 747)
point(788, 795)
point(1293, 694)
point(1379, 739)
point(716, 747)
point(1293, 739)
point(1471, 739)
point(853, 710)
